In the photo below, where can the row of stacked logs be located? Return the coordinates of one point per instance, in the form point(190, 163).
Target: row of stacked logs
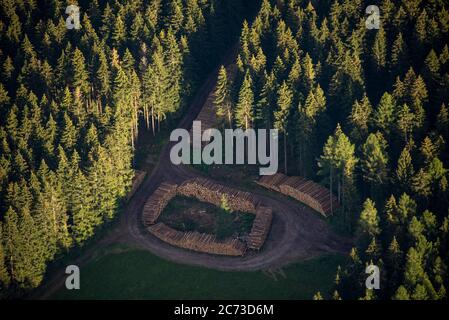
point(157, 201)
point(211, 192)
point(308, 192)
point(201, 242)
point(261, 227)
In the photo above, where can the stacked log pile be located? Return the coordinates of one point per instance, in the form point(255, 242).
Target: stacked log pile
point(272, 182)
point(211, 192)
point(207, 191)
point(201, 242)
point(308, 192)
point(138, 178)
point(157, 201)
point(261, 227)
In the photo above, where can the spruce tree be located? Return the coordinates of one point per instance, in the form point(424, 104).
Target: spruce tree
point(360, 118)
point(404, 170)
point(374, 162)
point(401, 294)
point(244, 110)
point(223, 96)
point(369, 221)
point(281, 115)
point(384, 115)
point(79, 76)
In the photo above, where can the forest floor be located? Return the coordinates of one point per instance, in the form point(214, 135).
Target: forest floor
point(297, 232)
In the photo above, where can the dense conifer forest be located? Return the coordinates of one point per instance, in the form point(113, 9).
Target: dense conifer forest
point(72, 102)
point(363, 111)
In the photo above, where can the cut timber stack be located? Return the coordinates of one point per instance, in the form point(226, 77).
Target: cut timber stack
point(157, 201)
point(201, 242)
point(138, 178)
point(211, 192)
point(260, 229)
point(308, 192)
point(272, 182)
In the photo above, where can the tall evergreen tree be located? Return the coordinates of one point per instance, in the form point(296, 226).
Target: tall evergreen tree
point(404, 170)
point(223, 96)
point(244, 111)
point(284, 103)
point(375, 160)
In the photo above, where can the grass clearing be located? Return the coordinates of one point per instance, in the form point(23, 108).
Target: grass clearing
point(137, 274)
point(188, 214)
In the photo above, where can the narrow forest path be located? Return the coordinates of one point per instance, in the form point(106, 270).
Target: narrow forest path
point(297, 232)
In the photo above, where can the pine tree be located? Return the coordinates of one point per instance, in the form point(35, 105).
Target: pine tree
point(102, 77)
point(244, 111)
point(8, 68)
point(401, 294)
point(369, 221)
point(309, 73)
point(119, 32)
point(4, 98)
point(375, 160)
point(336, 295)
point(414, 271)
point(421, 183)
point(31, 267)
point(399, 55)
point(69, 134)
point(373, 251)
point(405, 122)
point(432, 68)
point(420, 293)
point(442, 122)
point(281, 115)
point(317, 296)
point(79, 76)
point(223, 96)
point(380, 50)
point(384, 115)
point(52, 207)
point(267, 100)
point(406, 208)
point(404, 170)
point(395, 261)
point(338, 160)
point(84, 219)
point(175, 17)
point(418, 97)
point(428, 150)
point(360, 118)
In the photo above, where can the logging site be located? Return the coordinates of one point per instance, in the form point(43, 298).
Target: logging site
point(224, 150)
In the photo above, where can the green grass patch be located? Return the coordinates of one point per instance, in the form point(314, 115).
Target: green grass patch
point(137, 274)
point(189, 214)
